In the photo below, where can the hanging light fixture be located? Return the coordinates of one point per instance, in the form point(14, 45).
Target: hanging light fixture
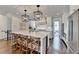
point(25, 17)
point(37, 14)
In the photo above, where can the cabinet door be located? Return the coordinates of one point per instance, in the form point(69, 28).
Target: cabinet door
point(70, 29)
point(73, 32)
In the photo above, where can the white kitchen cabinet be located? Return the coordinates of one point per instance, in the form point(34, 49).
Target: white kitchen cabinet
point(73, 32)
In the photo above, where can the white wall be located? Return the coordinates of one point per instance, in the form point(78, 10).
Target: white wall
point(15, 23)
point(65, 21)
point(3, 26)
point(8, 22)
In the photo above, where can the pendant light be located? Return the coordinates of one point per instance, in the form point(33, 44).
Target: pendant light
point(25, 17)
point(37, 14)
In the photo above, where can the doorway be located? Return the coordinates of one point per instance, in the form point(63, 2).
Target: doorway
point(56, 34)
point(56, 44)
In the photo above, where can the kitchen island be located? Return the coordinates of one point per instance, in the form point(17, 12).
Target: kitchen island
point(42, 35)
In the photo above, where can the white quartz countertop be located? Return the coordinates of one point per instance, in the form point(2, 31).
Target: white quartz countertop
point(38, 34)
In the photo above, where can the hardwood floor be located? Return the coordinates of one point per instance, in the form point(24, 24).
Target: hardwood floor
point(5, 48)
point(55, 49)
point(57, 46)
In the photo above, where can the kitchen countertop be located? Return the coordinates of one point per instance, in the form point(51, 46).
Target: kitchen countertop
point(38, 34)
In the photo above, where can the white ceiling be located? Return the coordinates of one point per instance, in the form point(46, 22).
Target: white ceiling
point(17, 10)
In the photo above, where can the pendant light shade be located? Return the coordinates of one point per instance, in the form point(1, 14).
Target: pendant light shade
point(37, 14)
